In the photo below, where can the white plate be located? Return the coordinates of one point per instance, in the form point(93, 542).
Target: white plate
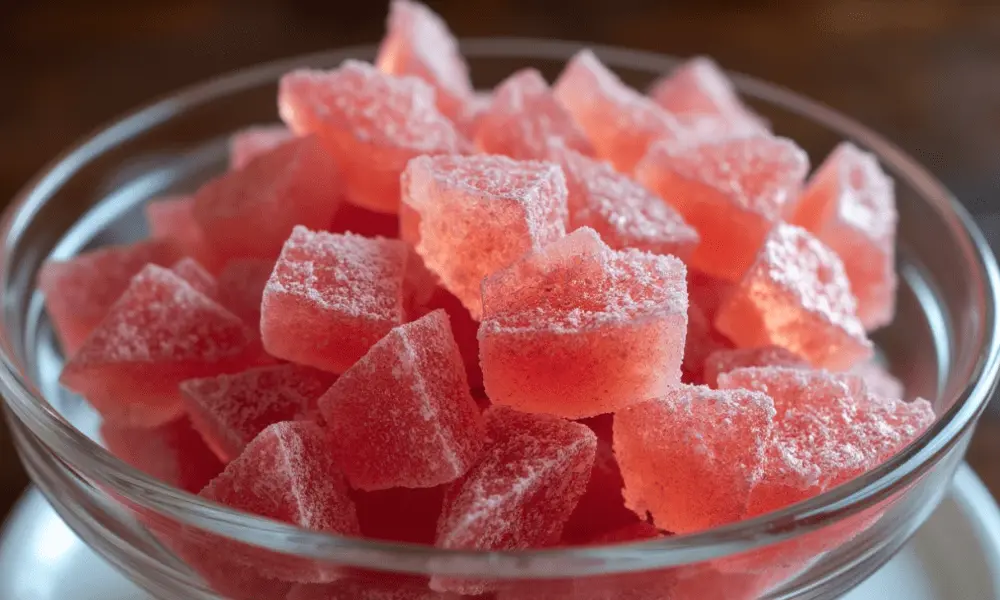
point(954, 556)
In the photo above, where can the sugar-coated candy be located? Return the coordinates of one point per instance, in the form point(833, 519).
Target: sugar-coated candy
point(249, 143)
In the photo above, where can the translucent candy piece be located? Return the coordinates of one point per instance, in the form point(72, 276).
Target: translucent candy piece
point(196, 276)
point(524, 117)
point(691, 457)
point(159, 333)
point(796, 296)
point(579, 329)
point(521, 493)
point(620, 122)
point(331, 297)
point(702, 340)
point(230, 410)
point(172, 220)
point(463, 327)
point(372, 124)
point(351, 218)
point(478, 214)
point(419, 43)
point(79, 291)
point(829, 429)
point(241, 287)
point(173, 452)
point(702, 98)
point(286, 473)
point(724, 361)
point(707, 292)
point(470, 115)
point(850, 206)
point(247, 144)
point(732, 191)
point(879, 380)
point(403, 416)
point(249, 213)
point(624, 213)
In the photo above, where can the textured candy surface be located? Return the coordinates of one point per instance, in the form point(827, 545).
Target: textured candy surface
point(196, 276)
point(172, 220)
point(230, 410)
point(478, 214)
point(241, 287)
point(620, 122)
point(250, 143)
point(372, 124)
point(419, 43)
point(403, 416)
point(524, 117)
point(732, 191)
point(691, 457)
point(624, 213)
point(521, 493)
point(159, 333)
point(724, 361)
point(796, 296)
point(331, 297)
point(702, 98)
point(579, 329)
point(879, 380)
point(173, 452)
point(250, 212)
point(850, 206)
point(79, 291)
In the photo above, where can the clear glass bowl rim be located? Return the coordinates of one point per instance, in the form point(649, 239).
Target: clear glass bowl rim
point(83, 455)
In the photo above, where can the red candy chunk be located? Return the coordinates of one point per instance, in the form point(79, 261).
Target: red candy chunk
point(579, 329)
point(331, 297)
point(724, 361)
point(524, 117)
point(691, 457)
point(470, 115)
point(702, 340)
point(403, 415)
point(250, 212)
point(230, 410)
point(173, 452)
point(633, 532)
point(732, 191)
point(250, 143)
point(286, 473)
point(172, 220)
point(828, 430)
point(464, 328)
point(521, 493)
point(474, 215)
point(879, 380)
point(79, 291)
point(620, 122)
point(196, 276)
point(707, 292)
point(419, 43)
point(702, 98)
point(241, 287)
point(625, 214)
point(850, 206)
point(796, 296)
point(372, 124)
point(159, 333)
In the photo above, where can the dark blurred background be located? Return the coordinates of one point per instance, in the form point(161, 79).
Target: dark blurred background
point(926, 73)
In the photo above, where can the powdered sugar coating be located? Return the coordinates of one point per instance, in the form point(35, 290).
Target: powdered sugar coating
point(249, 143)
point(250, 212)
point(478, 214)
point(372, 124)
point(418, 42)
point(579, 329)
point(726, 360)
point(796, 295)
point(732, 191)
point(160, 332)
point(402, 416)
point(331, 297)
point(702, 98)
point(196, 276)
point(620, 122)
point(79, 291)
point(231, 409)
point(850, 206)
point(624, 213)
point(521, 493)
point(524, 117)
point(692, 456)
point(241, 287)
point(286, 473)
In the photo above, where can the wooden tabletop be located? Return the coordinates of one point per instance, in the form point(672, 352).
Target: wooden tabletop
point(924, 72)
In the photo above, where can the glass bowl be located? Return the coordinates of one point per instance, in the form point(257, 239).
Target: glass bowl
point(943, 344)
